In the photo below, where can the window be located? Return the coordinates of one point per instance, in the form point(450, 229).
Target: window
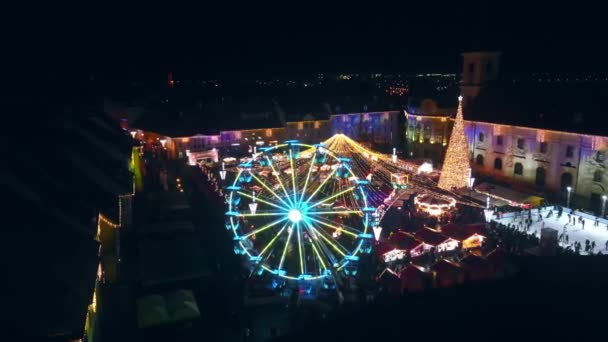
point(498, 164)
point(543, 147)
point(597, 176)
point(499, 140)
point(566, 180)
point(481, 137)
point(269, 132)
point(599, 156)
point(540, 176)
point(471, 67)
point(521, 143)
point(300, 126)
point(479, 160)
point(518, 169)
point(569, 151)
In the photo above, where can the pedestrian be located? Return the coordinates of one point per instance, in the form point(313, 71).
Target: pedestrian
point(566, 238)
point(583, 223)
point(606, 244)
point(593, 245)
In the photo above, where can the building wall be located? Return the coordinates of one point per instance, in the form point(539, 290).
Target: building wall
point(379, 128)
point(308, 132)
point(426, 136)
point(499, 148)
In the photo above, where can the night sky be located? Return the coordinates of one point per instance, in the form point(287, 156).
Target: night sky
point(234, 40)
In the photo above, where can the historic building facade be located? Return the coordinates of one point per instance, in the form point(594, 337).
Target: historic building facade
point(535, 159)
point(381, 128)
point(307, 131)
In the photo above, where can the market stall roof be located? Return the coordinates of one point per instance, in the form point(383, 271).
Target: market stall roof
point(170, 259)
point(472, 261)
point(383, 247)
point(155, 310)
point(411, 271)
point(445, 266)
point(431, 236)
point(496, 257)
point(513, 197)
point(405, 241)
point(388, 275)
point(478, 228)
point(455, 232)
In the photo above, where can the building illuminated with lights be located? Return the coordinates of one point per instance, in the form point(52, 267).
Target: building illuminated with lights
point(381, 128)
point(545, 161)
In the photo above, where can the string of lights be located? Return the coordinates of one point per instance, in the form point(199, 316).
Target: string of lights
point(456, 163)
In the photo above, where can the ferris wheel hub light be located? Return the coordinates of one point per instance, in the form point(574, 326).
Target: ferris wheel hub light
point(294, 215)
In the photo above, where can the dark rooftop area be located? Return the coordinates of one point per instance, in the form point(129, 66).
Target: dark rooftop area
point(576, 108)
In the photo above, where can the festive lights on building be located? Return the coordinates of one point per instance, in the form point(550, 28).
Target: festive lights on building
point(453, 175)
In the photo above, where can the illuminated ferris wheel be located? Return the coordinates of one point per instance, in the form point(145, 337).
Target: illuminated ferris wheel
point(299, 212)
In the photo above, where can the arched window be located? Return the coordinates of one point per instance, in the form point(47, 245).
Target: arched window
point(566, 180)
point(518, 169)
point(479, 160)
point(541, 174)
point(597, 176)
point(481, 137)
point(498, 164)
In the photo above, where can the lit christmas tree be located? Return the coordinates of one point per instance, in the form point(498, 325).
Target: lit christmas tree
point(455, 171)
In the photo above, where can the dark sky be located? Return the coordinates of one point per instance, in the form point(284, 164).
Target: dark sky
point(234, 39)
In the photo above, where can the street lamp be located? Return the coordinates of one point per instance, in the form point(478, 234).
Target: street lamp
point(471, 182)
point(488, 214)
point(223, 172)
point(569, 191)
point(604, 205)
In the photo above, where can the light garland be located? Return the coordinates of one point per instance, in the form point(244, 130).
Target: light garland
point(107, 221)
point(453, 175)
point(434, 209)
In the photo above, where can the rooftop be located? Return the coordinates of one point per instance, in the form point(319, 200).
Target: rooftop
point(576, 108)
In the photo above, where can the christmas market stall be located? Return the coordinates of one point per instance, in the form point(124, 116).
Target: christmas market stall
point(447, 273)
point(435, 239)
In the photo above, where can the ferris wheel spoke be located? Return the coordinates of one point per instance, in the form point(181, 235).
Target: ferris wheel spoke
point(336, 246)
point(320, 246)
point(316, 252)
point(277, 176)
point(270, 190)
point(300, 248)
point(321, 185)
point(344, 228)
point(257, 198)
point(273, 240)
point(285, 248)
point(312, 163)
point(268, 226)
point(293, 177)
point(331, 197)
